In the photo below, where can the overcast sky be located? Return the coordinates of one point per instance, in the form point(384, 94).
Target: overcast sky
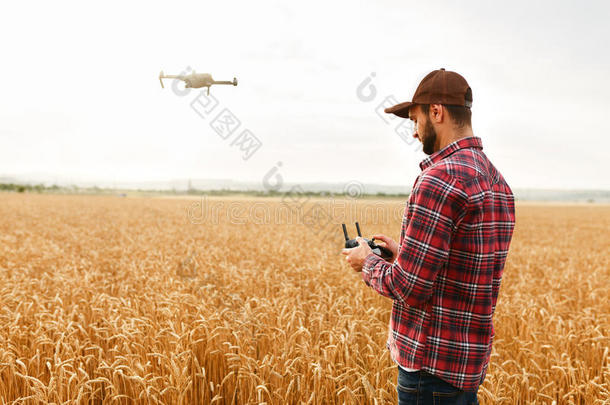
point(81, 97)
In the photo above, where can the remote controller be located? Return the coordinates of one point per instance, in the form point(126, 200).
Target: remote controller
point(380, 251)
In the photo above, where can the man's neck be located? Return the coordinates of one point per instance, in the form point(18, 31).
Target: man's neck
point(452, 136)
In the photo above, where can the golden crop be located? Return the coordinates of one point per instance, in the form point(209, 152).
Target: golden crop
point(141, 300)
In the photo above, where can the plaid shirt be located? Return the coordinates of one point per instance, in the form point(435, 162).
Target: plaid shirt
point(456, 230)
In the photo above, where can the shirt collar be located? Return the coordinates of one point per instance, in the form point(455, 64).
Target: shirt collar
point(470, 142)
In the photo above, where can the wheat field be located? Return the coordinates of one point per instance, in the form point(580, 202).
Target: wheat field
point(247, 301)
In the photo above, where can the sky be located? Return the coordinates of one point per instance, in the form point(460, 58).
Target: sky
point(81, 97)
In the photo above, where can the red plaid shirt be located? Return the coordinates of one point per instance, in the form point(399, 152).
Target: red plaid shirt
point(456, 230)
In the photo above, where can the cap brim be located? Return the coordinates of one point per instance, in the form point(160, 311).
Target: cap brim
point(402, 109)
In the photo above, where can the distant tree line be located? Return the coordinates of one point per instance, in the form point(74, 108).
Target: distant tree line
point(41, 188)
point(21, 188)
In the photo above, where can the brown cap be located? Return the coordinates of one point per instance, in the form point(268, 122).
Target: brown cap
point(438, 87)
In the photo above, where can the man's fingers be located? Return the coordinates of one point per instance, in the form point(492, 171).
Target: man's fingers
point(346, 251)
point(387, 241)
point(381, 237)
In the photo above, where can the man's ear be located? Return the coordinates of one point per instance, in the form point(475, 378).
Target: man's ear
point(437, 113)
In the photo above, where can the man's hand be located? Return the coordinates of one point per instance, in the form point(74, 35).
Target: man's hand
point(355, 256)
point(388, 243)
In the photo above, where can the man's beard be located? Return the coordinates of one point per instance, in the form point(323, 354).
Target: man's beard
point(429, 138)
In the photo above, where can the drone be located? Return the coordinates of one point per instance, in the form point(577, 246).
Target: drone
point(196, 80)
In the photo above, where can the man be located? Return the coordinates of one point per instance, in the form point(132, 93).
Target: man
point(445, 274)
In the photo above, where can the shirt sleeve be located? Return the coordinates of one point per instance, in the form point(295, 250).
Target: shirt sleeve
point(437, 205)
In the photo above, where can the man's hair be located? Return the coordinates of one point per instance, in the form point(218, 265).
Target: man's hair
point(459, 114)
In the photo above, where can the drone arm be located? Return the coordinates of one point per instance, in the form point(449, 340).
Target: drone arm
point(233, 82)
point(163, 76)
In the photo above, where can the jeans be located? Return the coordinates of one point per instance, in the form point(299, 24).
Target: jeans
point(423, 388)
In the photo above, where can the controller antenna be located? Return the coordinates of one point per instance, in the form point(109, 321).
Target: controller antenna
point(358, 229)
point(345, 232)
